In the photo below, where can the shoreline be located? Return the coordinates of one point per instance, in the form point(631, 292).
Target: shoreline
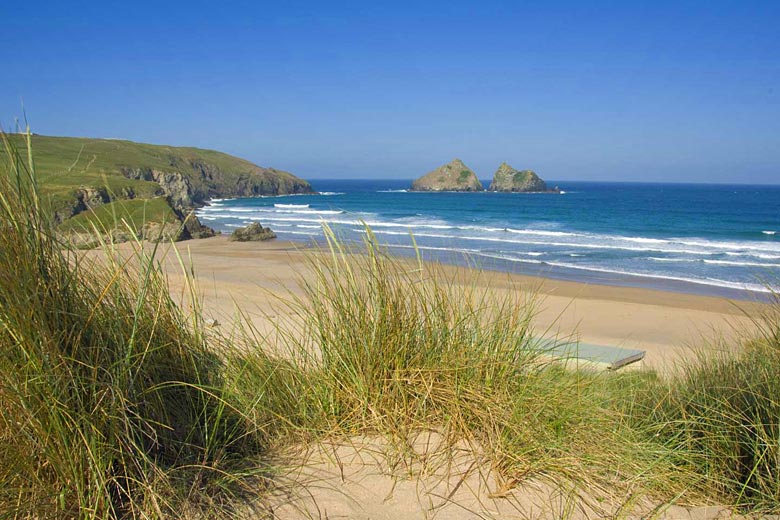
point(250, 277)
point(587, 276)
point(592, 276)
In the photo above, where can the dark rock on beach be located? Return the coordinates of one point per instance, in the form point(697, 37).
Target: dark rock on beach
point(254, 232)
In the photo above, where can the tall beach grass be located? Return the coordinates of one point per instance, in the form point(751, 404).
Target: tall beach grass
point(723, 412)
point(381, 346)
point(111, 403)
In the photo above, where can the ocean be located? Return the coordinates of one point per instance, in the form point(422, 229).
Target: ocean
point(721, 240)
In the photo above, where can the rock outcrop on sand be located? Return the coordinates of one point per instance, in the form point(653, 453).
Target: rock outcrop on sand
point(507, 178)
point(453, 176)
point(254, 232)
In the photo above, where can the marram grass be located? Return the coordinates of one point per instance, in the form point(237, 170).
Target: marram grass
point(111, 403)
point(723, 412)
point(389, 347)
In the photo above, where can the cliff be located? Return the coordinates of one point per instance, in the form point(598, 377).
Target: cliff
point(80, 174)
point(454, 176)
point(507, 178)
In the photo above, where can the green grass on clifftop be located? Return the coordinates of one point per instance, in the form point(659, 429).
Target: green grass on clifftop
point(135, 213)
point(74, 161)
point(125, 170)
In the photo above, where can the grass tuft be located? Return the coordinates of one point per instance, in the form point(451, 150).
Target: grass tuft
point(388, 347)
point(111, 403)
point(723, 412)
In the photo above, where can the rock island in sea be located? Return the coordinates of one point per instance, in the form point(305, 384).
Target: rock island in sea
point(507, 178)
point(453, 176)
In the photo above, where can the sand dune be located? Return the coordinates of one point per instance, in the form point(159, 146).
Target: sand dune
point(364, 478)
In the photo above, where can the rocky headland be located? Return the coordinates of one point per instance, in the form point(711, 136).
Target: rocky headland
point(508, 179)
point(97, 183)
point(453, 176)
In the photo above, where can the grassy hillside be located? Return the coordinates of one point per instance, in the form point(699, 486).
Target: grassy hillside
point(76, 174)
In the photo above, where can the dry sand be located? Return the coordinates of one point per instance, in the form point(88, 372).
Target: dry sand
point(361, 479)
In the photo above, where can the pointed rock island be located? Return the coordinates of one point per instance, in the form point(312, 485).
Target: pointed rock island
point(507, 178)
point(453, 176)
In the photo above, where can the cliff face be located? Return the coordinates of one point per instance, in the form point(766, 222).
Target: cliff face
point(453, 176)
point(507, 178)
point(191, 183)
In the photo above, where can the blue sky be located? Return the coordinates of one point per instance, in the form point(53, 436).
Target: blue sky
point(634, 91)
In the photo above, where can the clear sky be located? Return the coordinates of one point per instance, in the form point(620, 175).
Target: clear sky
point(634, 91)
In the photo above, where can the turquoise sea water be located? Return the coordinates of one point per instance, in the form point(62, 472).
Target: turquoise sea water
point(708, 239)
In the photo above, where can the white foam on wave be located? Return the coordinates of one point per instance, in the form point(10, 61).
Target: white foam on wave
point(713, 262)
point(331, 193)
point(537, 232)
point(432, 248)
point(211, 208)
point(672, 260)
point(769, 232)
point(311, 211)
point(769, 247)
point(302, 214)
point(290, 218)
point(305, 233)
point(280, 196)
point(755, 255)
point(406, 223)
point(509, 258)
point(392, 191)
point(470, 252)
point(417, 221)
point(271, 212)
point(706, 247)
point(555, 244)
point(701, 281)
point(740, 264)
point(714, 282)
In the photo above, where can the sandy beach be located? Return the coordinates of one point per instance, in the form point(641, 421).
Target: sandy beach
point(250, 277)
